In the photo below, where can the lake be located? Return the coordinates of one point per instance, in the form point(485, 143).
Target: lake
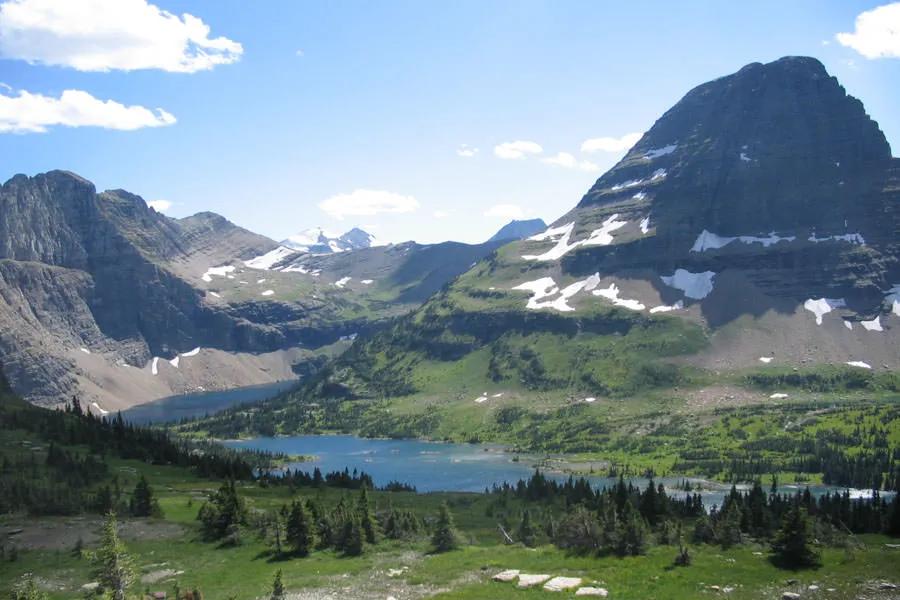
point(432, 466)
point(186, 406)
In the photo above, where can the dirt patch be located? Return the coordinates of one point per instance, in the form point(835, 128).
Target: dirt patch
point(62, 533)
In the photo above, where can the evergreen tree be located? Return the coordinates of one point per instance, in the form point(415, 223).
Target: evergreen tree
point(367, 520)
point(728, 524)
point(300, 534)
point(223, 515)
point(352, 542)
point(892, 526)
point(445, 537)
point(633, 536)
point(527, 533)
point(112, 565)
point(142, 503)
point(277, 587)
point(791, 547)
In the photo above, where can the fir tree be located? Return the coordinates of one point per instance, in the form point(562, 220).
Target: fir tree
point(300, 533)
point(527, 533)
point(143, 504)
point(791, 547)
point(112, 565)
point(367, 520)
point(277, 587)
point(445, 537)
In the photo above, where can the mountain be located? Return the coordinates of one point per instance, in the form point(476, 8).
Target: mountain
point(318, 241)
point(750, 235)
point(103, 297)
point(517, 230)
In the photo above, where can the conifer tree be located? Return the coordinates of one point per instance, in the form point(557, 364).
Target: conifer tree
point(27, 589)
point(300, 534)
point(791, 547)
point(366, 519)
point(112, 565)
point(445, 537)
point(527, 533)
point(277, 587)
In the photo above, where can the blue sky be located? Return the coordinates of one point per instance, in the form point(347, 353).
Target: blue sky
point(367, 106)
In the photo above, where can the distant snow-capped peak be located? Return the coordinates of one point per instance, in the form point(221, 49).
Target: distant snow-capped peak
point(318, 241)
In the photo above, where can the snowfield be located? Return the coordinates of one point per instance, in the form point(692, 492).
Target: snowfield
point(694, 285)
point(217, 271)
point(711, 241)
point(823, 306)
point(266, 261)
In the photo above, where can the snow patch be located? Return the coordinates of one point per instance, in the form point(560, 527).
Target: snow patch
point(367, 281)
point(590, 400)
point(480, 399)
point(766, 359)
point(497, 395)
point(667, 308)
point(154, 366)
point(778, 396)
point(612, 293)
point(598, 237)
point(174, 362)
point(711, 241)
point(342, 282)
point(546, 287)
point(99, 408)
point(214, 295)
point(602, 236)
point(848, 324)
point(260, 281)
point(193, 352)
point(893, 296)
point(295, 269)
point(266, 261)
point(852, 238)
point(823, 306)
point(85, 350)
point(860, 364)
point(645, 225)
point(745, 158)
point(873, 325)
point(694, 285)
point(657, 152)
point(552, 233)
point(218, 271)
point(267, 293)
point(640, 196)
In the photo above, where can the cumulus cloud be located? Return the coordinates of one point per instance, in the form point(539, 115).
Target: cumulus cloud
point(105, 35)
point(517, 149)
point(611, 144)
point(567, 161)
point(35, 113)
point(466, 151)
point(159, 206)
point(505, 211)
point(877, 33)
point(368, 202)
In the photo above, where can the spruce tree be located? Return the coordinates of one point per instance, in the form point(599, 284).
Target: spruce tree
point(112, 565)
point(527, 533)
point(791, 547)
point(142, 502)
point(300, 533)
point(366, 519)
point(352, 539)
point(445, 537)
point(277, 587)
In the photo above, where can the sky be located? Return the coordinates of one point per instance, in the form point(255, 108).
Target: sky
point(413, 120)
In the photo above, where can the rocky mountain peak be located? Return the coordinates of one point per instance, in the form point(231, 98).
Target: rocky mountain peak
point(318, 241)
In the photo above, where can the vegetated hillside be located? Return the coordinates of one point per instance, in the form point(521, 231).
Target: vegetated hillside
point(101, 295)
point(752, 229)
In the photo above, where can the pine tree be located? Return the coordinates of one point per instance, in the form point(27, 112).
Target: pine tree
point(791, 547)
point(112, 565)
point(300, 533)
point(277, 588)
point(527, 533)
point(445, 537)
point(352, 538)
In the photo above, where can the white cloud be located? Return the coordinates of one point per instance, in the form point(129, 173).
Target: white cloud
point(159, 206)
point(440, 214)
point(877, 33)
point(300, 53)
point(368, 202)
point(567, 161)
point(104, 35)
point(34, 113)
point(517, 149)
point(505, 211)
point(611, 144)
point(466, 151)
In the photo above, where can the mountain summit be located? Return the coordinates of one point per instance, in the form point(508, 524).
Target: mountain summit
point(754, 226)
point(319, 241)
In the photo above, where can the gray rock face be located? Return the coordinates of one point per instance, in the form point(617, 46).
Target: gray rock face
point(517, 230)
